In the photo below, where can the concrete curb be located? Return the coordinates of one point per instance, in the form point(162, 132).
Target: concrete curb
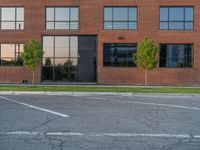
point(92, 93)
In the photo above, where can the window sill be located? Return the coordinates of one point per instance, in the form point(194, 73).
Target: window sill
point(11, 67)
point(182, 30)
point(191, 68)
point(61, 29)
point(120, 30)
point(11, 30)
point(120, 67)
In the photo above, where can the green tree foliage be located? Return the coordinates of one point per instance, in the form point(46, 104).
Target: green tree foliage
point(146, 56)
point(32, 56)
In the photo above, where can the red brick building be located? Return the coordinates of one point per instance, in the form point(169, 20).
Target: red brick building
point(93, 40)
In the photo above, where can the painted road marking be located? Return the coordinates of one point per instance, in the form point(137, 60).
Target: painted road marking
point(35, 107)
point(152, 104)
point(32, 133)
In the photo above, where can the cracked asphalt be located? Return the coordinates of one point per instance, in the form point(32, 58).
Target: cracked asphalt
point(138, 122)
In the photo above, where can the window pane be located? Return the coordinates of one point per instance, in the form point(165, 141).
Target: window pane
point(119, 55)
point(62, 62)
point(176, 25)
point(163, 14)
point(176, 56)
point(131, 51)
point(62, 73)
point(49, 25)
point(120, 25)
point(20, 25)
point(107, 25)
point(48, 46)
point(188, 14)
point(61, 25)
point(11, 54)
point(19, 49)
point(61, 46)
point(74, 25)
point(7, 50)
point(107, 55)
point(8, 14)
point(189, 25)
point(62, 14)
point(74, 14)
point(164, 25)
point(8, 62)
point(74, 63)
point(108, 14)
point(163, 57)
point(73, 46)
point(50, 14)
point(132, 14)
point(120, 14)
point(7, 25)
point(47, 61)
point(20, 14)
point(132, 25)
point(47, 72)
point(176, 14)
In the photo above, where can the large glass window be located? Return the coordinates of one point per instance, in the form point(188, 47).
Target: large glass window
point(176, 18)
point(62, 18)
point(10, 54)
point(12, 18)
point(119, 55)
point(60, 57)
point(120, 18)
point(176, 55)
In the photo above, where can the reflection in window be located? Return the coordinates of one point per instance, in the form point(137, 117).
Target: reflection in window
point(12, 18)
point(60, 57)
point(62, 18)
point(176, 55)
point(119, 55)
point(11, 54)
point(120, 18)
point(176, 18)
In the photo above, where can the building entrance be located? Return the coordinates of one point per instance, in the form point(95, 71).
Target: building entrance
point(69, 58)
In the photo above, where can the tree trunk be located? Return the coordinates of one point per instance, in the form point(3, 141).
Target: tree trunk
point(146, 77)
point(33, 79)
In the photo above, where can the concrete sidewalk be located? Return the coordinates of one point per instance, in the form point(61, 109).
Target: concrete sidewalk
point(95, 85)
point(93, 93)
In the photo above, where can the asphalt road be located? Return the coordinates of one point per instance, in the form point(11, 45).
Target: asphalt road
point(138, 122)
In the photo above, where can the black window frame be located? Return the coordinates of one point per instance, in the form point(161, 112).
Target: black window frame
point(15, 21)
point(128, 21)
point(177, 66)
point(16, 55)
point(115, 44)
point(184, 21)
point(54, 20)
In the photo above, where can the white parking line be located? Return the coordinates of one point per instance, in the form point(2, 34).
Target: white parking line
point(145, 103)
point(31, 133)
point(35, 107)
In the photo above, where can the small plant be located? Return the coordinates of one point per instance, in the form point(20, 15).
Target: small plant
point(146, 56)
point(32, 56)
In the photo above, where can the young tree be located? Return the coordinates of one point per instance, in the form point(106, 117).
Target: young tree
point(146, 56)
point(32, 56)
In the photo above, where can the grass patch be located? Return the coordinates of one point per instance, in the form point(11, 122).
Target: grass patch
point(101, 89)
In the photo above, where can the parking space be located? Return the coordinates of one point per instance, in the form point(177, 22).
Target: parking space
point(99, 122)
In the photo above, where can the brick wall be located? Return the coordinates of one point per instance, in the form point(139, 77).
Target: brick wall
point(91, 22)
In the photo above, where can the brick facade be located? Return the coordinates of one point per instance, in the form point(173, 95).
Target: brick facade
point(91, 23)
